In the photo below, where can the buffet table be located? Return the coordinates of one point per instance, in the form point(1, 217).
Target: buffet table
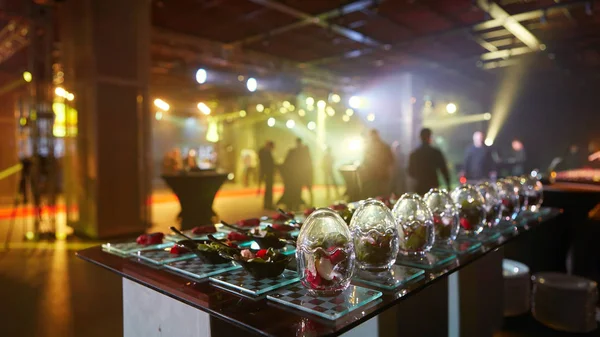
point(196, 192)
point(460, 298)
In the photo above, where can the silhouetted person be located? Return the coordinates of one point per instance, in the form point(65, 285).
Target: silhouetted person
point(479, 163)
point(574, 159)
point(294, 176)
point(517, 158)
point(376, 167)
point(191, 161)
point(328, 174)
point(267, 172)
point(305, 168)
point(424, 164)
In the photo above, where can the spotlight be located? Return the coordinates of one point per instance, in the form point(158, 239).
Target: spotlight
point(489, 142)
point(201, 76)
point(230, 176)
point(311, 125)
point(349, 112)
point(241, 78)
point(310, 101)
point(159, 103)
point(286, 104)
point(291, 108)
point(321, 104)
point(346, 118)
point(356, 102)
point(204, 108)
point(260, 108)
point(282, 110)
point(487, 116)
point(252, 84)
point(301, 113)
point(61, 92)
point(70, 96)
point(290, 124)
point(355, 144)
point(335, 98)
point(242, 113)
point(158, 115)
point(371, 117)
point(271, 122)
point(451, 108)
point(27, 76)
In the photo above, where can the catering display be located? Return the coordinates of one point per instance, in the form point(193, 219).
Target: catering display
point(471, 209)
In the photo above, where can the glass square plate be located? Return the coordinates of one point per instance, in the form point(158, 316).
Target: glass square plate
point(332, 308)
point(389, 279)
point(241, 280)
point(459, 246)
point(429, 260)
point(486, 236)
point(174, 237)
point(506, 228)
point(160, 256)
point(198, 269)
point(124, 248)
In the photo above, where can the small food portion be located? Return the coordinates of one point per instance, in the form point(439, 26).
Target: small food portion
point(445, 215)
point(385, 201)
point(309, 211)
point(204, 230)
point(253, 222)
point(338, 207)
point(283, 217)
point(282, 227)
point(415, 225)
point(471, 208)
point(264, 263)
point(235, 236)
point(179, 250)
point(443, 227)
point(150, 239)
point(205, 250)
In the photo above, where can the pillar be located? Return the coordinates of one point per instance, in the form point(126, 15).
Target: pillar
point(106, 56)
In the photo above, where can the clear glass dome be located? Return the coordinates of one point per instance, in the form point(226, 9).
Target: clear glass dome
point(518, 184)
point(375, 235)
point(325, 253)
point(510, 199)
point(445, 215)
point(471, 208)
point(492, 205)
point(415, 225)
point(533, 191)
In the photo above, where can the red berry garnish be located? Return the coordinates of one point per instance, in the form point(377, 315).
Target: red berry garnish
point(283, 228)
point(338, 207)
point(235, 236)
point(437, 219)
point(142, 239)
point(337, 257)
point(204, 230)
point(309, 211)
point(178, 250)
point(464, 223)
point(249, 222)
point(313, 279)
point(261, 253)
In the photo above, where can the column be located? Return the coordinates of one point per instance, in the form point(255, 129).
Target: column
point(105, 51)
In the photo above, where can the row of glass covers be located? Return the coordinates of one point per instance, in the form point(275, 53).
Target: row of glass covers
point(328, 249)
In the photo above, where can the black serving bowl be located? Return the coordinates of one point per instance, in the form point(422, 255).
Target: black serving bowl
point(269, 242)
point(260, 270)
point(211, 257)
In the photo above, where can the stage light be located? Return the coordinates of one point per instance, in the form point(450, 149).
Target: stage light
point(310, 101)
point(230, 176)
point(290, 124)
point(291, 108)
point(487, 116)
point(489, 142)
point(311, 125)
point(201, 76)
point(282, 110)
point(371, 117)
point(241, 78)
point(242, 113)
point(356, 102)
point(190, 122)
point(286, 104)
point(271, 122)
point(158, 115)
point(310, 108)
point(252, 84)
point(159, 103)
point(451, 108)
point(204, 108)
point(27, 76)
point(61, 92)
point(355, 144)
point(346, 118)
point(260, 108)
point(335, 98)
point(330, 111)
point(70, 96)
point(349, 112)
point(321, 104)
point(301, 113)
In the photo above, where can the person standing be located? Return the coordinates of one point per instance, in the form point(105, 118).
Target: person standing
point(479, 163)
point(328, 174)
point(267, 172)
point(295, 175)
point(424, 164)
point(376, 167)
point(398, 173)
point(306, 167)
point(517, 158)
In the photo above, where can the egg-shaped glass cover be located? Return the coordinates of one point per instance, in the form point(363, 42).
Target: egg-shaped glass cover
point(533, 192)
point(325, 253)
point(510, 199)
point(445, 215)
point(518, 184)
point(471, 208)
point(492, 205)
point(375, 235)
point(415, 224)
